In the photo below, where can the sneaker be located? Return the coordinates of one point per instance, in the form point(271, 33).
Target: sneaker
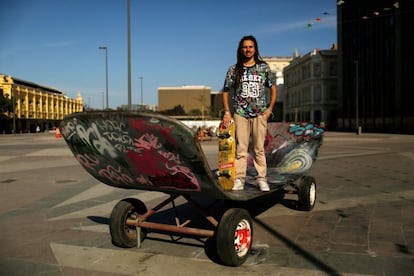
point(238, 185)
point(264, 187)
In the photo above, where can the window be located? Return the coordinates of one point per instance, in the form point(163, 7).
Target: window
point(332, 69)
point(332, 93)
point(317, 70)
point(304, 73)
point(317, 93)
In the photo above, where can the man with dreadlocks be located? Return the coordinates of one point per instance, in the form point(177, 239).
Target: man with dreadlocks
point(245, 84)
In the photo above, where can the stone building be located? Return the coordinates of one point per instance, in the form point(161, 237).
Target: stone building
point(311, 88)
point(277, 65)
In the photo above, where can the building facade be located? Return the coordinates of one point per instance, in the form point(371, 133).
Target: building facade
point(34, 106)
point(139, 107)
point(277, 65)
point(376, 65)
point(191, 98)
point(210, 104)
point(310, 88)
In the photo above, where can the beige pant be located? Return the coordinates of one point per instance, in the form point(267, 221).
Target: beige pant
point(256, 127)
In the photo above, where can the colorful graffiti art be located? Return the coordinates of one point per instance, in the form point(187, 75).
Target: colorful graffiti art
point(147, 151)
point(134, 151)
point(290, 149)
point(153, 152)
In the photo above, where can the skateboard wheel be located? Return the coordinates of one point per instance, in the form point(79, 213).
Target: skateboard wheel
point(307, 193)
point(234, 237)
point(124, 235)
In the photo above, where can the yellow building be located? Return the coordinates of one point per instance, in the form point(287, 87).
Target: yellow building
point(34, 106)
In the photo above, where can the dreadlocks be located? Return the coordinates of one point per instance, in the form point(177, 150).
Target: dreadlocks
point(240, 57)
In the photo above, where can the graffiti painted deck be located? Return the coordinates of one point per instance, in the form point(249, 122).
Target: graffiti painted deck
point(226, 155)
point(290, 151)
point(148, 151)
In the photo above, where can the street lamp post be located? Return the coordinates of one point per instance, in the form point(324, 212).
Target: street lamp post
point(129, 54)
point(106, 66)
point(14, 110)
point(142, 95)
point(357, 126)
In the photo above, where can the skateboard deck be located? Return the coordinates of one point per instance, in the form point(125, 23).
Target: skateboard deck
point(226, 155)
point(148, 151)
point(290, 149)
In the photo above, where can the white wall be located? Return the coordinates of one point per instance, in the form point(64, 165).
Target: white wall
point(205, 123)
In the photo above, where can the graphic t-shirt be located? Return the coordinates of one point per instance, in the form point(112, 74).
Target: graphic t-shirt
point(249, 98)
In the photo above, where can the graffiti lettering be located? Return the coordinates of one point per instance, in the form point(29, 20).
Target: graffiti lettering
point(99, 143)
point(118, 137)
point(186, 171)
point(147, 141)
point(115, 175)
point(306, 130)
point(88, 161)
point(123, 151)
point(170, 156)
point(68, 130)
point(108, 125)
point(163, 132)
point(121, 148)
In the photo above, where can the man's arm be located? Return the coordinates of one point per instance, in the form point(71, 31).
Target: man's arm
point(273, 97)
point(225, 97)
point(227, 114)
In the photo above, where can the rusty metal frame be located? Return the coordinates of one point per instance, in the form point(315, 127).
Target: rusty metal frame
point(181, 228)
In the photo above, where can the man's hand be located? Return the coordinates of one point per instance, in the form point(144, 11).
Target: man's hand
point(267, 113)
point(227, 118)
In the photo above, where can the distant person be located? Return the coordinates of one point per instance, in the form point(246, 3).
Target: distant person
point(246, 83)
point(201, 134)
point(37, 129)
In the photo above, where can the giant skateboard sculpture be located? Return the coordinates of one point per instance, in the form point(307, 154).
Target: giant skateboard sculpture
point(152, 152)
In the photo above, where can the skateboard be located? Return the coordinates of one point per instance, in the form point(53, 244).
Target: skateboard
point(148, 151)
point(226, 155)
point(153, 152)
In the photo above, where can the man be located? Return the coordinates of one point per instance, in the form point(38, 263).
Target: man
point(246, 83)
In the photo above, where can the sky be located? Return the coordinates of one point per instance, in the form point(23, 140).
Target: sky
point(173, 42)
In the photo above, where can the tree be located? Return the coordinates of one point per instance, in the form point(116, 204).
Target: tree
point(6, 105)
point(177, 110)
point(195, 112)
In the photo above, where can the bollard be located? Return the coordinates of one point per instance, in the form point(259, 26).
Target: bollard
point(57, 135)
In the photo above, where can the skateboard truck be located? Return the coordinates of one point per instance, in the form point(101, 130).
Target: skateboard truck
point(225, 147)
point(226, 174)
point(224, 135)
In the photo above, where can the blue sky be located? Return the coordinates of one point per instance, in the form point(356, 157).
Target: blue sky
point(173, 42)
